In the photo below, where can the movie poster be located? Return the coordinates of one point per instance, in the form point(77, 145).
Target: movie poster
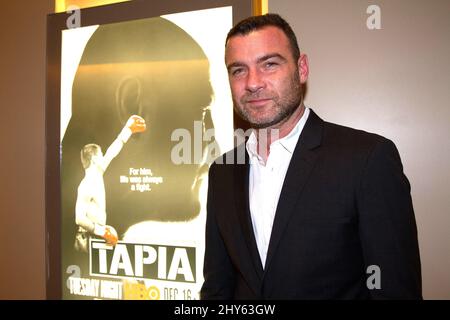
point(145, 109)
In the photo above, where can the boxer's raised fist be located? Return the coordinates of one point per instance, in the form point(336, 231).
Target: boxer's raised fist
point(136, 124)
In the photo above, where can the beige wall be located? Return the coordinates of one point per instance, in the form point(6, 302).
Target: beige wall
point(395, 82)
point(22, 215)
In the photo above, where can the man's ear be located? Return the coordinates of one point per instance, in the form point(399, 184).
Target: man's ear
point(128, 98)
point(303, 68)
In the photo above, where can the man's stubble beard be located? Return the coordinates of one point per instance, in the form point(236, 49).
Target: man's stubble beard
point(285, 106)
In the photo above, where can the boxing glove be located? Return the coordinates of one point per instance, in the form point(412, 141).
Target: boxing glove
point(136, 124)
point(106, 232)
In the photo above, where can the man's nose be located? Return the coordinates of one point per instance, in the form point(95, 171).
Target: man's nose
point(255, 81)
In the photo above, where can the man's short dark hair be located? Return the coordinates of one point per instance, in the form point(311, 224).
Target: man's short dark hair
point(255, 23)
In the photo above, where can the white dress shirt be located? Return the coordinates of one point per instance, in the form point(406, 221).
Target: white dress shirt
point(266, 181)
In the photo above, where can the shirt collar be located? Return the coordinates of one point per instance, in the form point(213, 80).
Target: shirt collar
point(288, 142)
point(251, 146)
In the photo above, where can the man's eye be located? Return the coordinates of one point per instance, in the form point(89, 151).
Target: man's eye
point(236, 72)
point(271, 64)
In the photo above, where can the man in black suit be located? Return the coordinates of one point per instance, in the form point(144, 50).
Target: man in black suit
point(317, 210)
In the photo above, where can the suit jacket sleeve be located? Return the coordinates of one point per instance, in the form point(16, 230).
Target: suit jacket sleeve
point(218, 270)
point(387, 225)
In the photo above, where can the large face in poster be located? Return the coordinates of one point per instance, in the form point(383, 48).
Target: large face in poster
point(145, 108)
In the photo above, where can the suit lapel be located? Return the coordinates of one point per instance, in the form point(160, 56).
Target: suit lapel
point(300, 167)
point(241, 176)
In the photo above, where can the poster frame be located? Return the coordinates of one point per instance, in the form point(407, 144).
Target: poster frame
point(56, 23)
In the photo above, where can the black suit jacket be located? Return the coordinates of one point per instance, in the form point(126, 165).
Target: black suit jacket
point(345, 205)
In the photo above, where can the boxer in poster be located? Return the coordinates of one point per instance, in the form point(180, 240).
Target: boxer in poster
point(90, 208)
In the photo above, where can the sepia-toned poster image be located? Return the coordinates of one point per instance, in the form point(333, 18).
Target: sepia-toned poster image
point(145, 109)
